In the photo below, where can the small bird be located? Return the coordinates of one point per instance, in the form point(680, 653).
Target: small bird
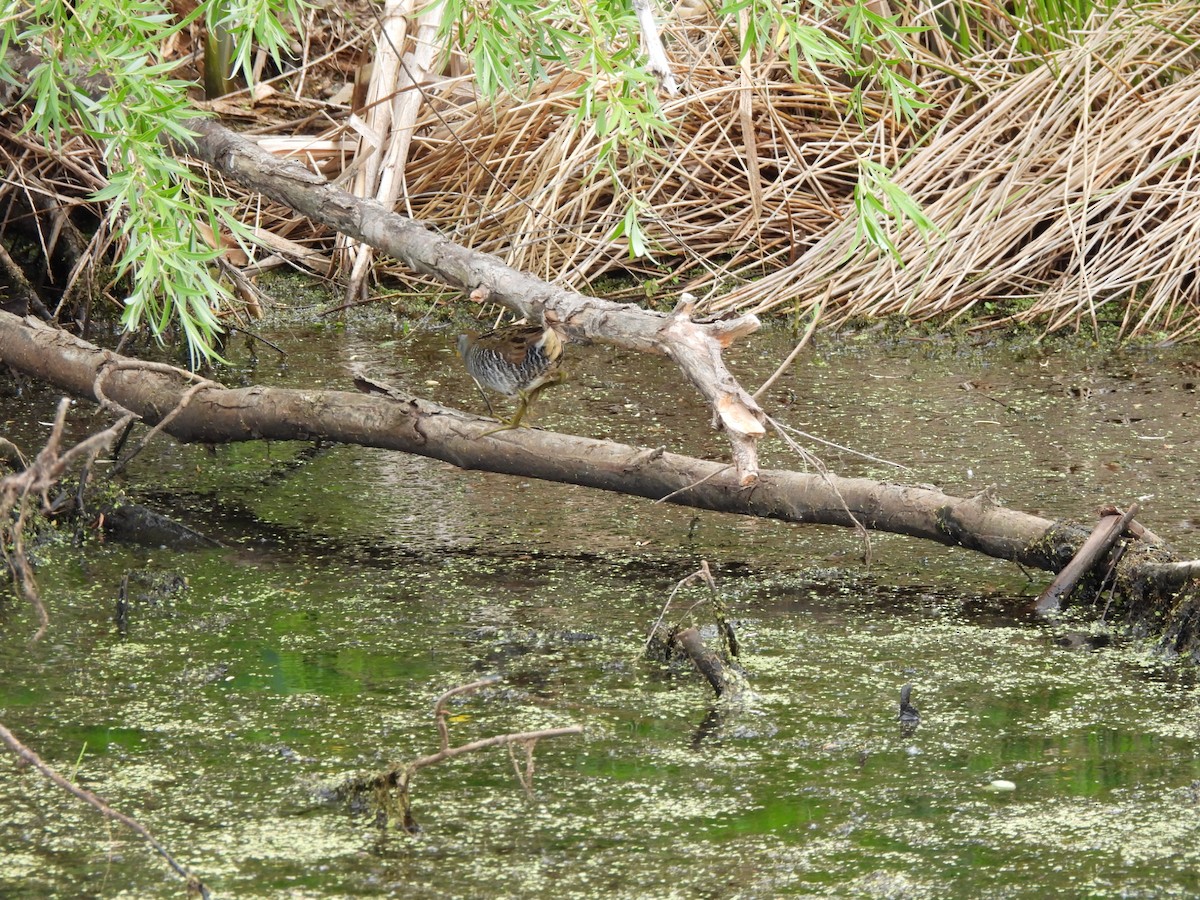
point(909, 717)
point(516, 361)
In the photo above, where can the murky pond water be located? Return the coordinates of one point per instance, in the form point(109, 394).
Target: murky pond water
point(354, 586)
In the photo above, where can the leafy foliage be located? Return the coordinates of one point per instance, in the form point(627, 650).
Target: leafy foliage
point(156, 203)
point(881, 203)
point(618, 99)
point(509, 43)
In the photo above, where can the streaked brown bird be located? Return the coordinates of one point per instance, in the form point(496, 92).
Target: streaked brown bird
point(516, 361)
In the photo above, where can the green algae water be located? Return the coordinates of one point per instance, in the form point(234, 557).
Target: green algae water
point(354, 586)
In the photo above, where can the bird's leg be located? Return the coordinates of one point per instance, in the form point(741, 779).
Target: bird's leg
point(483, 394)
point(515, 421)
point(526, 400)
point(522, 407)
point(527, 397)
point(508, 426)
point(557, 377)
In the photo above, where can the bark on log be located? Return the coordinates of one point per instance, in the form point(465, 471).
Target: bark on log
point(215, 414)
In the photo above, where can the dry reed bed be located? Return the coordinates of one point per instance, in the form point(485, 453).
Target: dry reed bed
point(519, 178)
point(1058, 189)
point(1063, 189)
point(1060, 185)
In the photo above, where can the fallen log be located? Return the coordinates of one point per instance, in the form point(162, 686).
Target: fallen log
point(413, 425)
point(210, 413)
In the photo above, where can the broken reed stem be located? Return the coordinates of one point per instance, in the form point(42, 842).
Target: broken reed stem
point(26, 756)
point(800, 345)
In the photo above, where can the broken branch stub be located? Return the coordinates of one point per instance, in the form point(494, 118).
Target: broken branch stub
point(1106, 533)
point(696, 349)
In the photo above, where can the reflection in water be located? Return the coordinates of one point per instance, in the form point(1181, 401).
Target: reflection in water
point(359, 585)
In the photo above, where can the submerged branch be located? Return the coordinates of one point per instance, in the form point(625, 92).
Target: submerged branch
point(399, 777)
point(28, 757)
point(708, 662)
point(718, 668)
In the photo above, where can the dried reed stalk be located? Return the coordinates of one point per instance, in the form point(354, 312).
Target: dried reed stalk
point(1065, 188)
point(1063, 175)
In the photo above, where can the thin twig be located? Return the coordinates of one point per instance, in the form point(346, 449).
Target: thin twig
point(29, 757)
point(679, 585)
point(184, 399)
point(800, 345)
point(439, 706)
point(47, 468)
point(694, 484)
point(815, 461)
point(820, 440)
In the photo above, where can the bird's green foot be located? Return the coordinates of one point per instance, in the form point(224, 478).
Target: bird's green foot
point(515, 421)
point(507, 426)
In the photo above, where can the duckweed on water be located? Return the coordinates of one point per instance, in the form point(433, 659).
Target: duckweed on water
point(358, 586)
point(810, 789)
